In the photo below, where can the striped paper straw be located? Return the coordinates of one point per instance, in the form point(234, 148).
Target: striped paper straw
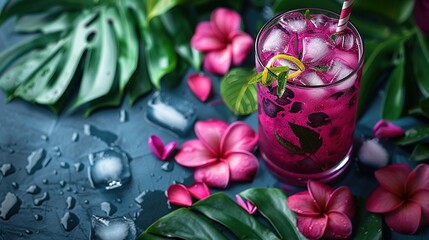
point(345, 15)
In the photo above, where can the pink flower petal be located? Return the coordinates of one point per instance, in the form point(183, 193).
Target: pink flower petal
point(341, 200)
point(248, 206)
point(199, 190)
point(239, 136)
point(405, 219)
point(179, 195)
point(385, 129)
point(193, 154)
point(393, 177)
point(200, 85)
point(312, 227)
point(302, 203)
point(382, 201)
point(159, 150)
point(225, 20)
point(320, 193)
point(210, 134)
point(242, 44)
point(206, 39)
point(339, 226)
point(219, 61)
point(421, 197)
point(418, 178)
point(214, 175)
point(243, 165)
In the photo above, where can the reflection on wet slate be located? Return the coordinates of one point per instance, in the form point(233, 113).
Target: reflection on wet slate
point(120, 228)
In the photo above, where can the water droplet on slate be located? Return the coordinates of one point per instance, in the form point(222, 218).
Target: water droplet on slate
point(140, 198)
point(85, 201)
point(38, 217)
point(62, 183)
point(28, 231)
point(64, 165)
point(78, 166)
point(112, 228)
point(109, 169)
point(108, 208)
point(123, 116)
point(69, 221)
point(45, 181)
point(46, 161)
point(9, 206)
point(174, 114)
point(71, 202)
point(104, 136)
point(35, 160)
point(33, 189)
point(44, 138)
point(15, 184)
point(75, 137)
point(7, 169)
point(167, 167)
point(40, 200)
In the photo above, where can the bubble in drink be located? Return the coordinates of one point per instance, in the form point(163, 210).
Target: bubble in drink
point(119, 228)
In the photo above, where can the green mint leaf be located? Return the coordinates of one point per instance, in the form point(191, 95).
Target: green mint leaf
point(320, 68)
point(288, 145)
point(307, 14)
point(334, 36)
point(309, 140)
point(281, 83)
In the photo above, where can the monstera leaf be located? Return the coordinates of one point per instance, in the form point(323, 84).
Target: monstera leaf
point(203, 220)
point(89, 53)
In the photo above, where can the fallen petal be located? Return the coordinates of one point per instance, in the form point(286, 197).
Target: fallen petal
point(243, 165)
point(214, 174)
point(248, 206)
point(418, 178)
point(393, 177)
point(239, 136)
point(178, 194)
point(242, 44)
point(385, 129)
point(225, 20)
point(199, 190)
point(193, 154)
point(382, 201)
point(320, 193)
point(341, 200)
point(206, 39)
point(405, 219)
point(158, 149)
point(168, 149)
point(200, 85)
point(339, 226)
point(210, 134)
point(219, 61)
point(302, 203)
point(373, 154)
point(312, 227)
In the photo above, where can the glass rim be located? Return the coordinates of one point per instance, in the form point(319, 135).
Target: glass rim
point(321, 10)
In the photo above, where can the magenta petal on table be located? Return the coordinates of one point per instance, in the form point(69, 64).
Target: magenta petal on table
point(312, 227)
point(405, 219)
point(225, 20)
point(242, 44)
point(193, 154)
point(320, 193)
point(243, 165)
point(421, 197)
point(210, 133)
point(205, 39)
point(341, 200)
point(200, 85)
point(158, 149)
point(418, 178)
point(385, 129)
point(199, 190)
point(219, 61)
point(303, 203)
point(239, 136)
point(214, 174)
point(246, 205)
point(339, 226)
point(178, 194)
point(382, 201)
point(393, 177)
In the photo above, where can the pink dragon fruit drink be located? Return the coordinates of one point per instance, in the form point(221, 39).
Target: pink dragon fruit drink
point(307, 132)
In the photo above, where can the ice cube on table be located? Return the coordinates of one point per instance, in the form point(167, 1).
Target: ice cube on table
point(294, 22)
point(118, 228)
point(315, 49)
point(345, 40)
point(276, 41)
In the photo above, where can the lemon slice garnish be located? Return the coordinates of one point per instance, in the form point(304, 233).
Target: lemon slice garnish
point(289, 58)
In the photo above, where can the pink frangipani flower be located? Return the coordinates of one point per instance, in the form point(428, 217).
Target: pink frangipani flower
point(385, 129)
point(179, 194)
point(158, 148)
point(222, 41)
point(200, 85)
point(323, 211)
point(221, 153)
point(246, 205)
point(403, 197)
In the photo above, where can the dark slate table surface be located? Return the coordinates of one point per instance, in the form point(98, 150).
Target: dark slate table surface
point(26, 128)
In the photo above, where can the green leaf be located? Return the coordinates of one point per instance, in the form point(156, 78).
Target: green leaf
point(272, 204)
point(414, 135)
point(309, 140)
point(100, 63)
point(157, 7)
point(420, 152)
point(185, 224)
point(369, 225)
point(288, 145)
point(421, 63)
point(46, 22)
point(281, 81)
point(147, 236)
point(393, 102)
point(222, 209)
point(282, 5)
point(140, 83)
point(395, 10)
point(238, 95)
